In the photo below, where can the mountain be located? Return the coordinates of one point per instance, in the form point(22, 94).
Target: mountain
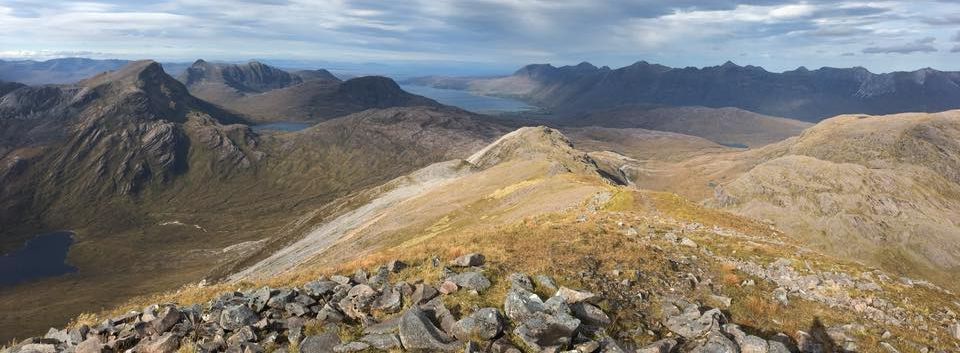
point(526, 244)
point(810, 95)
point(67, 70)
point(727, 126)
point(146, 174)
point(884, 189)
point(264, 93)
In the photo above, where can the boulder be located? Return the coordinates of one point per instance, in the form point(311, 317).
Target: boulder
point(358, 301)
point(545, 282)
point(166, 343)
point(237, 316)
point(482, 325)
point(281, 298)
point(503, 345)
point(438, 313)
point(520, 280)
point(543, 331)
point(468, 260)
point(344, 280)
point(521, 304)
point(692, 324)
point(572, 296)
point(244, 334)
point(423, 293)
point(396, 266)
point(38, 348)
point(471, 280)
point(91, 345)
point(390, 301)
point(715, 342)
point(382, 341)
point(417, 332)
point(360, 276)
point(319, 289)
point(448, 287)
point(351, 347)
point(590, 314)
point(166, 317)
point(323, 343)
point(662, 346)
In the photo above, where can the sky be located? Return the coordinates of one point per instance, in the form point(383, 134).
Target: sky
point(493, 35)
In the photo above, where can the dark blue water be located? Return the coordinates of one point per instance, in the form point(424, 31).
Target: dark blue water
point(281, 127)
point(43, 256)
point(468, 101)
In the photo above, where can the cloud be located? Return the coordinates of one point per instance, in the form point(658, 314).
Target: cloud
point(922, 45)
point(956, 37)
point(612, 32)
point(955, 49)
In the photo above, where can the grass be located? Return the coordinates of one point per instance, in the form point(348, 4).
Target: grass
point(564, 247)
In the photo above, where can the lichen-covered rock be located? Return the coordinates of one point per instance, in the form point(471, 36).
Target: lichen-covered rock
point(237, 316)
point(417, 332)
point(468, 260)
point(322, 343)
point(484, 325)
point(471, 280)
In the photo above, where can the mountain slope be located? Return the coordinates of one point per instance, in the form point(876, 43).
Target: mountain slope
point(890, 185)
point(726, 126)
point(66, 70)
point(810, 95)
point(625, 269)
point(181, 186)
point(264, 93)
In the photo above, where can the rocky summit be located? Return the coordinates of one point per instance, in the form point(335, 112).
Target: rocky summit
point(378, 312)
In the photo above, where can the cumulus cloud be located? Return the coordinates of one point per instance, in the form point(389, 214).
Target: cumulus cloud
point(922, 45)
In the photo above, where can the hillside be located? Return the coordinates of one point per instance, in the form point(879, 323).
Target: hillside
point(181, 187)
point(883, 189)
point(726, 126)
point(264, 93)
point(526, 245)
point(810, 95)
point(55, 71)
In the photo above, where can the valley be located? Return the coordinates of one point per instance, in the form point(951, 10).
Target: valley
point(239, 176)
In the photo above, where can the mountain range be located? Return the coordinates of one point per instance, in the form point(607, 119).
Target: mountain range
point(810, 95)
point(684, 225)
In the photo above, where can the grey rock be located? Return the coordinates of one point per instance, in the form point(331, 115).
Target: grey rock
point(91, 345)
point(166, 317)
point(383, 341)
point(259, 298)
point(322, 343)
point(691, 323)
point(954, 330)
point(390, 301)
point(503, 345)
point(545, 282)
point(468, 260)
point(344, 280)
point(417, 332)
point(781, 343)
point(244, 334)
point(520, 280)
point(587, 347)
point(438, 313)
point(281, 298)
point(521, 304)
point(319, 289)
point(888, 347)
point(38, 348)
point(665, 345)
point(358, 301)
point(166, 343)
point(590, 314)
point(381, 279)
point(471, 280)
point(396, 266)
point(296, 309)
point(423, 293)
point(484, 325)
point(351, 347)
point(360, 276)
point(780, 295)
point(472, 347)
point(715, 342)
point(448, 287)
point(235, 317)
point(543, 331)
point(388, 326)
point(572, 296)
